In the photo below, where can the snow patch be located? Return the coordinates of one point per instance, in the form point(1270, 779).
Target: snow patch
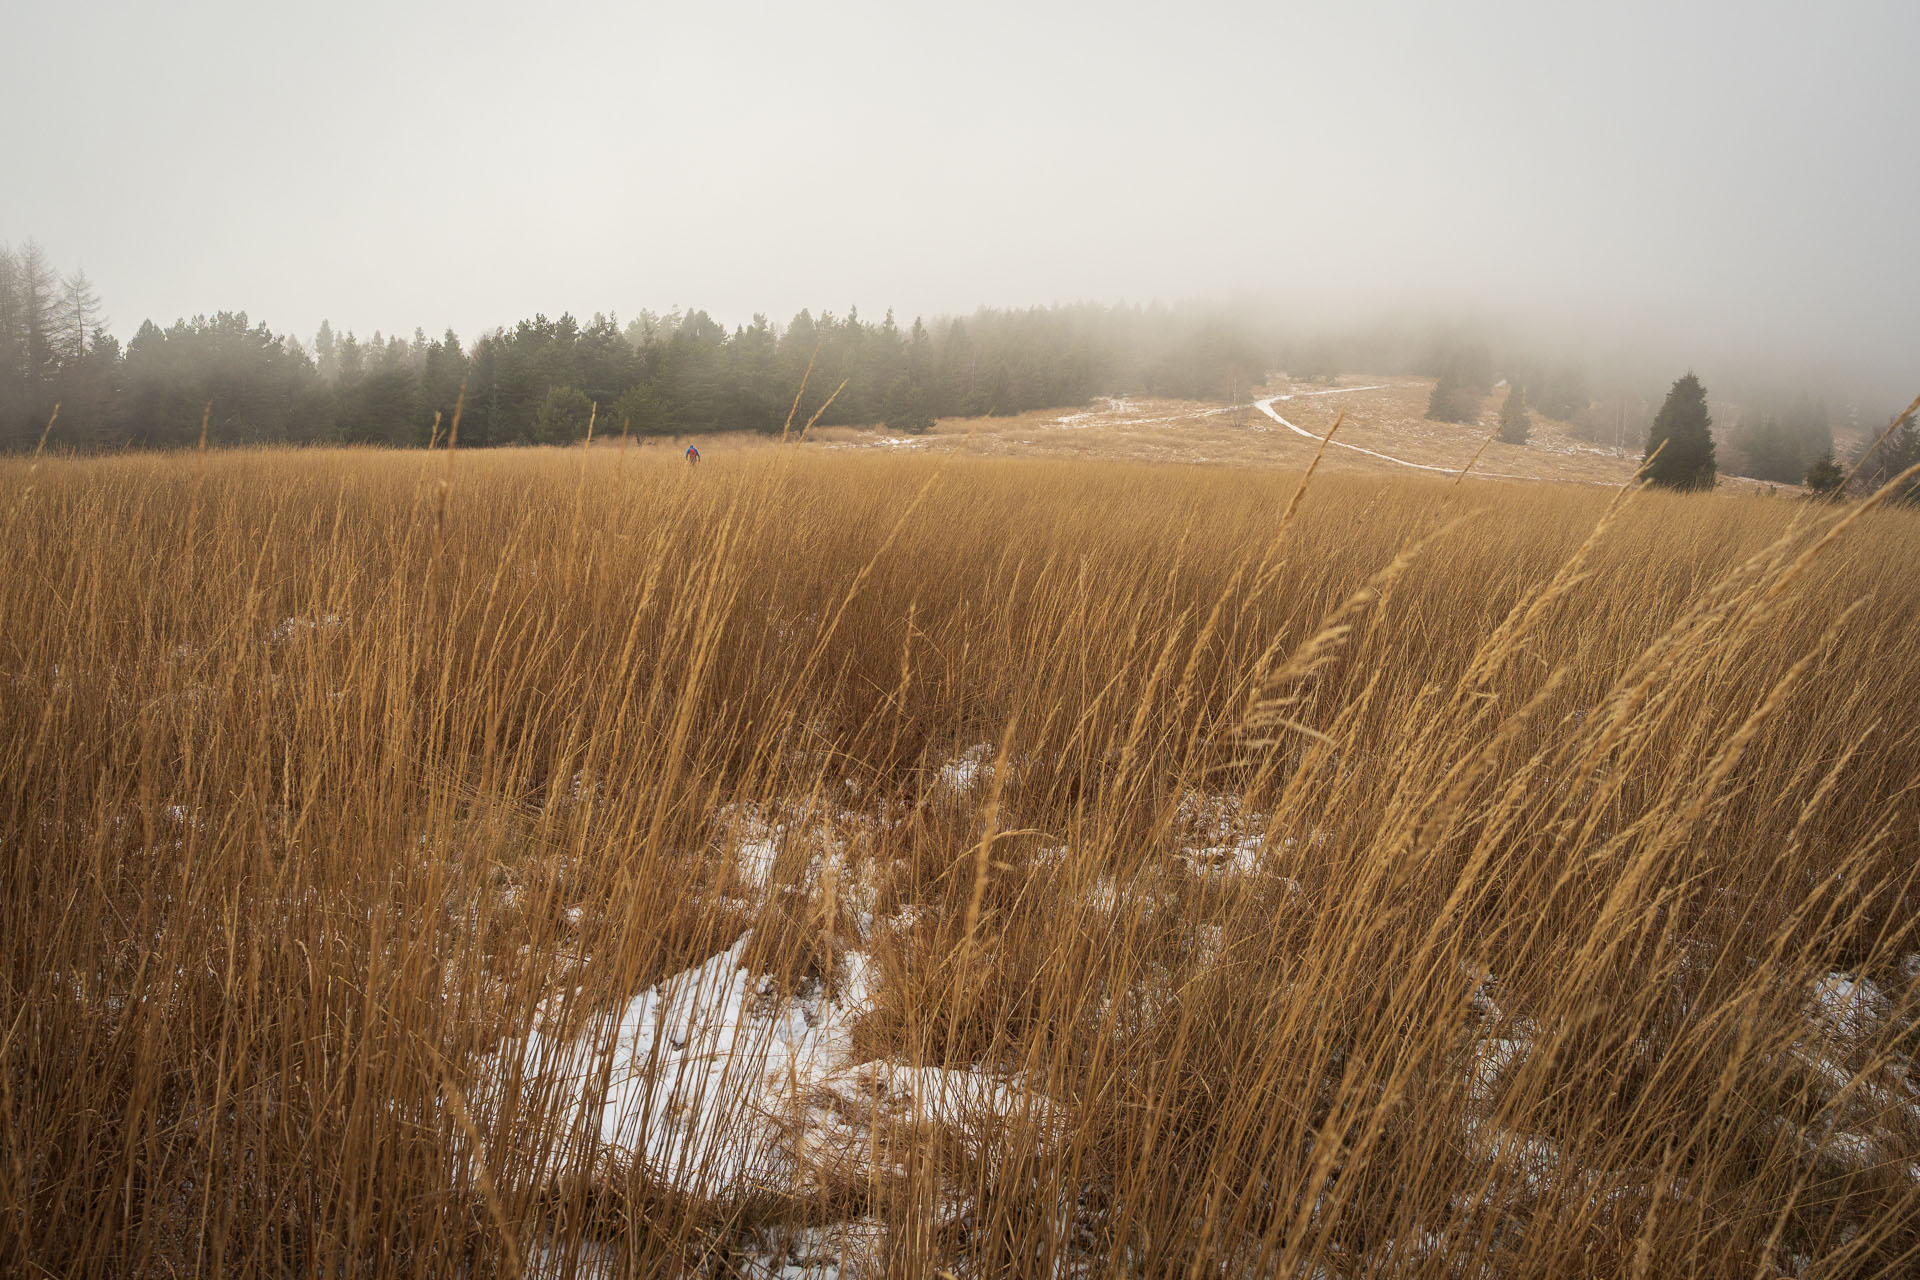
point(1846, 1007)
point(968, 770)
point(291, 629)
point(717, 1083)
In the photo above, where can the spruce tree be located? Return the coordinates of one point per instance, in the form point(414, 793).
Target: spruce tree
point(1686, 432)
point(1516, 425)
point(1825, 479)
point(1452, 399)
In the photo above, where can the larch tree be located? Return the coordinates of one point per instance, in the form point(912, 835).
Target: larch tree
point(80, 316)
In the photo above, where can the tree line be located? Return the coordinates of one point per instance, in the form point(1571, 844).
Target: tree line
point(1788, 442)
point(543, 380)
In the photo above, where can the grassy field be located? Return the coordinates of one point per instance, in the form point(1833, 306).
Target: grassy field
point(554, 863)
point(1384, 415)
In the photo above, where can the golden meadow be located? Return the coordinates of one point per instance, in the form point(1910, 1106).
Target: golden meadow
point(1394, 877)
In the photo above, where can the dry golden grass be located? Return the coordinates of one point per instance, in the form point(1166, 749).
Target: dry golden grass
point(1449, 880)
point(1384, 415)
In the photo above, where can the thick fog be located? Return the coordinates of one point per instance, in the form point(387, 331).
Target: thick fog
point(1696, 182)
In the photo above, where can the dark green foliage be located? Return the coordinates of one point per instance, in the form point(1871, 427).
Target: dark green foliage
point(1562, 392)
point(907, 406)
point(1680, 442)
point(535, 383)
point(1884, 460)
point(1453, 400)
point(1780, 447)
point(1216, 363)
point(1468, 365)
point(563, 417)
point(1516, 426)
point(1464, 374)
point(1825, 479)
point(640, 412)
point(253, 381)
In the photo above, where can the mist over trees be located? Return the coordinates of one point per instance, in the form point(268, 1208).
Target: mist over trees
point(1881, 461)
point(540, 381)
point(1516, 425)
point(1463, 378)
point(1780, 444)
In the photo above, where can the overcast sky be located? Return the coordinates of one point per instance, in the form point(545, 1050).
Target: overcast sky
point(1739, 175)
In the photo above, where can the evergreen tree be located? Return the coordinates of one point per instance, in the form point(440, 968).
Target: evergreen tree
point(325, 353)
point(1881, 461)
point(1516, 426)
point(563, 416)
point(1781, 447)
point(1825, 479)
point(907, 406)
point(676, 372)
point(1452, 399)
point(443, 373)
point(1682, 437)
point(1561, 392)
point(640, 412)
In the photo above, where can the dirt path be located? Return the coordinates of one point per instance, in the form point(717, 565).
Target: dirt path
point(1266, 406)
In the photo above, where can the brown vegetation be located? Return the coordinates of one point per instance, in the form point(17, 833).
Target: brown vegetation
point(1430, 879)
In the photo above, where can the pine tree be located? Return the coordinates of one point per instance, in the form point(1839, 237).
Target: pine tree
point(1682, 439)
point(1516, 425)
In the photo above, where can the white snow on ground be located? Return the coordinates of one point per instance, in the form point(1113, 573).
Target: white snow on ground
point(756, 835)
point(1845, 1007)
point(290, 629)
point(1229, 839)
point(717, 1082)
point(754, 860)
point(720, 1083)
point(689, 1076)
point(1862, 1110)
point(849, 1249)
point(1117, 411)
point(1241, 858)
point(1492, 1058)
point(967, 770)
point(589, 1262)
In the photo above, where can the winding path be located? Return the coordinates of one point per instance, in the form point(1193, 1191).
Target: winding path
point(1266, 406)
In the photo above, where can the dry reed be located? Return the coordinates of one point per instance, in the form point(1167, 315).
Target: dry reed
point(1564, 926)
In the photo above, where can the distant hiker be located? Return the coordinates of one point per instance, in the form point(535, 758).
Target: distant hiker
point(693, 455)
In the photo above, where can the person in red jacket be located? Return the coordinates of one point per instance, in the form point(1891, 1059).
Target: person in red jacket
point(693, 455)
